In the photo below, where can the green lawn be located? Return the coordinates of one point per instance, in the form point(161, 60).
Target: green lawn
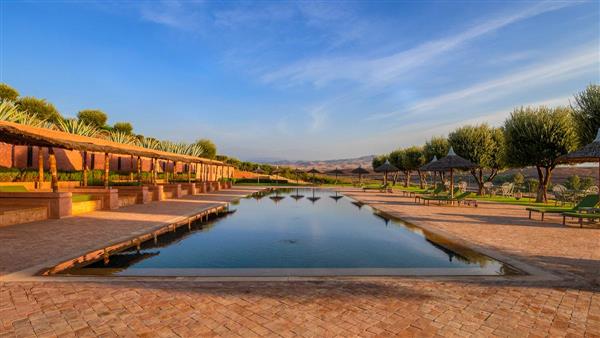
point(81, 198)
point(526, 202)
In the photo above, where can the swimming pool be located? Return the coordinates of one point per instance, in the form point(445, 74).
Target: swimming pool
point(297, 232)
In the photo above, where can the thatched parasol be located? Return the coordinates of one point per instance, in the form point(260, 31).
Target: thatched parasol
point(451, 162)
point(589, 153)
point(336, 197)
point(360, 171)
point(297, 172)
point(386, 168)
point(259, 172)
point(313, 171)
point(426, 168)
point(336, 172)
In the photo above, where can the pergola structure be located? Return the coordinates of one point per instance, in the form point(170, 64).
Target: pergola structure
point(19, 134)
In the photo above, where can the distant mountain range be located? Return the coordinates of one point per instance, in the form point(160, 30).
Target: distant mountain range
point(347, 163)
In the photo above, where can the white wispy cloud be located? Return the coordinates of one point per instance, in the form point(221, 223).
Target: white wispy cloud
point(173, 14)
point(553, 70)
point(383, 70)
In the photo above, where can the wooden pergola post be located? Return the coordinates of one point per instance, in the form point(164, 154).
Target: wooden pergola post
point(153, 178)
point(139, 170)
point(189, 172)
point(40, 167)
point(174, 169)
point(106, 170)
point(166, 172)
point(53, 169)
point(85, 169)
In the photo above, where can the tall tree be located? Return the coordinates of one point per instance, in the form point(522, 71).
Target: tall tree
point(124, 127)
point(8, 93)
point(587, 113)
point(437, 146)
point(93, 117)
point(209, 149)
point(538, 136)
point(396, 159)
point(40, 108)
point(413, 160)
point(482, 145)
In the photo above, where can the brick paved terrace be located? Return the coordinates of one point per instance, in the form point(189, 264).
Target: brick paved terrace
point(519, 307)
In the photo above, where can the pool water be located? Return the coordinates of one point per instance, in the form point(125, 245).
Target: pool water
point(298, 232)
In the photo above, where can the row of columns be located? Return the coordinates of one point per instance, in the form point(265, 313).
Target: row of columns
point(204, 174)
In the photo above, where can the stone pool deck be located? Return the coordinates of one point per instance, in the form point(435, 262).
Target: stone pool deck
point(566, 306)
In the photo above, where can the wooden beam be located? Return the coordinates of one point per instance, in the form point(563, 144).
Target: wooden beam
point(189, 172)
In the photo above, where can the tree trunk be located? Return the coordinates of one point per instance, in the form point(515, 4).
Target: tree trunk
point(53, 169)
point(406, 178)
point(395, 178)
point(478, 174)
point(421, 184)
point(544, 179)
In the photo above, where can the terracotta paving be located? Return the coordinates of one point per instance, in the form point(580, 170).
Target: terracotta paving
point(367, 307)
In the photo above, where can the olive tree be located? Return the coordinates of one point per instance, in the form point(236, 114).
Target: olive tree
point(94, 117)
point(413, 160)
point(438, 147)
point(40, 108)
point(396, 159)
point(538, 136)
point(8, 93)
point(482, 145)
point(123, 127)
point(587, 113)
point(209, 149)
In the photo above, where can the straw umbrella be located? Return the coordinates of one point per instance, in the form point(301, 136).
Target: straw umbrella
point(589, 153)
point(297, 196)
point(450, 162)
point(426, 168)
point(314, 198)
point(386, 168)
point(360, 171)
point(336, 172)
point(258, 172)
point(313, 171)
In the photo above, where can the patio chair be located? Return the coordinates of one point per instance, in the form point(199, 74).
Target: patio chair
point(488, 188)
point(462, 185)
point(560, 194)
point(507, 189)
point(588, 201)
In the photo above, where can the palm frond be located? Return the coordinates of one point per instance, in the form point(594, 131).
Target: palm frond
point(77, 127)
point(121, 137)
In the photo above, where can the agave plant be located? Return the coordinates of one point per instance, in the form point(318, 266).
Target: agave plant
point(195, 150)
point(8, 112)
point(148, 143)
point(121, 137)
point(74, 126)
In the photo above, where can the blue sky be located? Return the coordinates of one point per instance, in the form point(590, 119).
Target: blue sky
point(300, 80)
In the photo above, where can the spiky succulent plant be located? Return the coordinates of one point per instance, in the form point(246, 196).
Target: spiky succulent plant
point(74, 126)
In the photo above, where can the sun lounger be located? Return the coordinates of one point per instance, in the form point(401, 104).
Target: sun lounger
point(381, 188)
point(460, 198)
point(436, 192)
point(581, 216)
point(588, 201)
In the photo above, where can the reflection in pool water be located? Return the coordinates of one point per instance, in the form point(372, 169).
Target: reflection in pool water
point(298, 230)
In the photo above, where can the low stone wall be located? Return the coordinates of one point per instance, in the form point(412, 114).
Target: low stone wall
point(171, 191)
point(109, 197)
point(86, 206)
point(156, 192)
point(24, 214)
point(59, 204)
point(189, 188)
point(140, 194)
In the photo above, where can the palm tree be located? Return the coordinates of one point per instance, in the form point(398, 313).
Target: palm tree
point(76, 127)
